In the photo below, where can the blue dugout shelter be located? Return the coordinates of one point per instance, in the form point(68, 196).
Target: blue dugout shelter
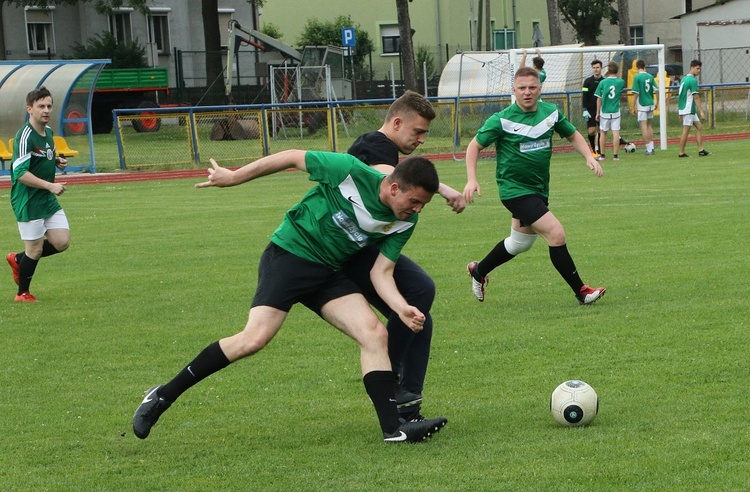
point(71, 82)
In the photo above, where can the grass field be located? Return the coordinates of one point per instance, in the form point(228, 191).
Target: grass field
point(157, 270)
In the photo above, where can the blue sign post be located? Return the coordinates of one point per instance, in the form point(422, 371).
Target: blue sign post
point(347, 37)
point(348, 41)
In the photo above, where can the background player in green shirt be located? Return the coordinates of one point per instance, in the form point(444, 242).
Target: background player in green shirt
point(537, 62)
point(352, 206)
point(522, 134)
point(41, 220)
point(689, 108)
point(608, 94)
point(644, 87)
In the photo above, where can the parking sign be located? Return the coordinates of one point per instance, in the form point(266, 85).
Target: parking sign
point(347, 36)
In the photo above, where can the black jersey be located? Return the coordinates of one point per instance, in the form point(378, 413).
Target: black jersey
point(588, 100)
point(375, 148)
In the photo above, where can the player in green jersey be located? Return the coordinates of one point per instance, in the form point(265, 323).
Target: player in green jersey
point(353, 205)
point(644, 87)
point(608, 94)
point(41, 220)
point(689, 108)
point(522, 134)
point(537, 62)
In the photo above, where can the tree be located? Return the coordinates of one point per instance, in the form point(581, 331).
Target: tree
point(323, 33)
point(623, 10)
point(585, 16)
point(407, 46)
point(553, 17)
point(105, 46)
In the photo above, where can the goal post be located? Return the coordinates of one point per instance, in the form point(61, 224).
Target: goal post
point(567, 67)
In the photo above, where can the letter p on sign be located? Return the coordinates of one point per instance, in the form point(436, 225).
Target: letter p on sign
point(347, 36)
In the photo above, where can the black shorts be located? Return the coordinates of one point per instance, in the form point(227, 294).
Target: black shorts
point(285, 279)
point(528, 208)
point(591, 122)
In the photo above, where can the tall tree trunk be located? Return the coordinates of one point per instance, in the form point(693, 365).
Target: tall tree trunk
point(480, 23)
point(2, 33)
point(407, 46)
point(212, 35)
point(553, 17)
point(624, 14)
point(487, 26)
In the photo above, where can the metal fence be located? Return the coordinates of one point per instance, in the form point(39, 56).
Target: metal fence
point(236, 135)
point(725, 65)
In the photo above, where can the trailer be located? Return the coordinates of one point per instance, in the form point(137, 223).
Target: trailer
point(116, 88)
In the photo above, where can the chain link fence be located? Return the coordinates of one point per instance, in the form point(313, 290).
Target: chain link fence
point(188, 137)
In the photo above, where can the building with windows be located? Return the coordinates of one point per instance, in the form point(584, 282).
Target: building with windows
point(441, 28)
point(37, 33)
point(651, 22)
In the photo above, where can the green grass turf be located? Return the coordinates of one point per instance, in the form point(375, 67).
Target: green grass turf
point(157, 270)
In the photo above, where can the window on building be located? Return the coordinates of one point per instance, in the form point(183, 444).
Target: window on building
point(390, 38)
point(158, 32)
point(503, 39)
point(39, 32)
point(119, 26)
point(636, 35)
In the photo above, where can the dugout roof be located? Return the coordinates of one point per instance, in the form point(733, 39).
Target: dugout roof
point(61, 77)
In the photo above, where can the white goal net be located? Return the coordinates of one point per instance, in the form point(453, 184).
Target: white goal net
point(482, 81)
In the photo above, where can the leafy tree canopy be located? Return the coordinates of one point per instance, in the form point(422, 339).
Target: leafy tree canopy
point(104, 45)
point(585, 16)
point(324, 33)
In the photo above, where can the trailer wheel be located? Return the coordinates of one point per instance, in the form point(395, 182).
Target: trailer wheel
point(144, 125)
point(77, 127)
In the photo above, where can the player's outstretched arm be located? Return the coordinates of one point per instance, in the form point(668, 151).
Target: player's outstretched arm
point(472, 185)
point(270, 164)
point(582, 147)
point(381, 276)
point(453, 198)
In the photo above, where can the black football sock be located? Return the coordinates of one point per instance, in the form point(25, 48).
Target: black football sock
point(563, 262)
point(48, 249)
point(26, 269)
point(494, 259)
point(209, 361)
point(592, 141)
point(381, 387)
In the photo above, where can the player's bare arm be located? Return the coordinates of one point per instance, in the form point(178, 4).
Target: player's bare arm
point(33, 181)
point(582, 147)
point(270, 164)
point(381, 276)
point(453, 198)
point(61, 163)
point(472, 185)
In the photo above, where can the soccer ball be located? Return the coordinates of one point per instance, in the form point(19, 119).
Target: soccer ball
point(574, 404)
point(630, 147)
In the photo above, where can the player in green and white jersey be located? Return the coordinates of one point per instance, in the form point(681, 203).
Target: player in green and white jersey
point(537, 62)
point(41, 220)
point(608, 94)
point(352, 206)
point(689, 108)
point(522, 134)
point(644, 87)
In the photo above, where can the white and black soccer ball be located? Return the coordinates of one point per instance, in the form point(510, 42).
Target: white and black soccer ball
point(574, 404)
point(630, 147)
